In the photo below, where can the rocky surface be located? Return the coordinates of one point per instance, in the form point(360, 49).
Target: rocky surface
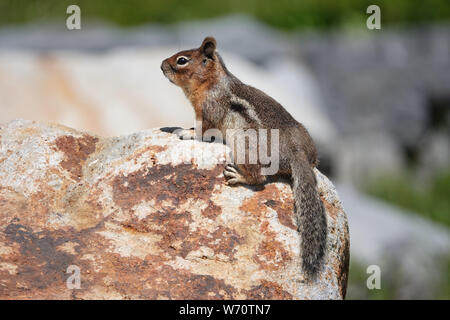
point(148, 216)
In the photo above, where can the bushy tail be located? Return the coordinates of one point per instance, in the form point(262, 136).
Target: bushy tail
point(310, 216)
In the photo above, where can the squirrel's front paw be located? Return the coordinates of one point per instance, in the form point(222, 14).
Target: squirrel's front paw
point(185, 134)
point(232, 175)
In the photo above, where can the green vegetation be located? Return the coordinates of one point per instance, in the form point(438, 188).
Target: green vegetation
point(431, 201)
point(392, 285)
point(284, 14)
point(357, 288)
point(444, 292)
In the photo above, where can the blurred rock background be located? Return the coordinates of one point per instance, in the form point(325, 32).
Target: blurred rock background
point(377, 102)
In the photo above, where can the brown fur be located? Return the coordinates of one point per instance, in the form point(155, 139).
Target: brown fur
point(196, 80)
point(223, 102)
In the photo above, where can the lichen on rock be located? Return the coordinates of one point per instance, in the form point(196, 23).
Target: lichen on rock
point(148, 216)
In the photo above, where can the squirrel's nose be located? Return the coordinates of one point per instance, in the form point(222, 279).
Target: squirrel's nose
point(164, 65)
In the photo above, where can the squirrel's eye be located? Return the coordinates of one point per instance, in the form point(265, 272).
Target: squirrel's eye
point(182, 60)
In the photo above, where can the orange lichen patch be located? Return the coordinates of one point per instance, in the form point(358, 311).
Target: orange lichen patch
point(42, 259)
point(40, 263)
point(271, 253)
point(134, 278)
point(82, 206)
point(39, 201)
point(173, 227)
point(285, 211)
point(212, 210)
point(12, 204)
point(330, 208)
point(6, 250)
point(135, 226)
point(31, 210)
point(164, 183)
point(268, 290)
point(68, 247)
point(176, 238)
point(181, 284)
point(228, 241)
point(168, 191)
point(76, 151)
point(223, 241)
point(258, 203)
point(152, 149)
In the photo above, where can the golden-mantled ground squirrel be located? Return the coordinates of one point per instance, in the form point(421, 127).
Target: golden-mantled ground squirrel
point(222, 102)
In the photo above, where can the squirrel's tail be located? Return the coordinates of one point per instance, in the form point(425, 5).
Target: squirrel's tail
point(310, 215)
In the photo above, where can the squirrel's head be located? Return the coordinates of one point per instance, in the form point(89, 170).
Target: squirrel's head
point(191, 68)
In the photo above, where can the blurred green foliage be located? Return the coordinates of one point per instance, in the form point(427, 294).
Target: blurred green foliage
point(445, 289)
point(285, 14)
point(357, 288)
point(431, 200)
point(393, 284)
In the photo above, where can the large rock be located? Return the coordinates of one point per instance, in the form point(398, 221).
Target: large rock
point(148, 216)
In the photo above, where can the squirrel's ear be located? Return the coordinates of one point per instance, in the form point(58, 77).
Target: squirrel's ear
point(208, 47)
